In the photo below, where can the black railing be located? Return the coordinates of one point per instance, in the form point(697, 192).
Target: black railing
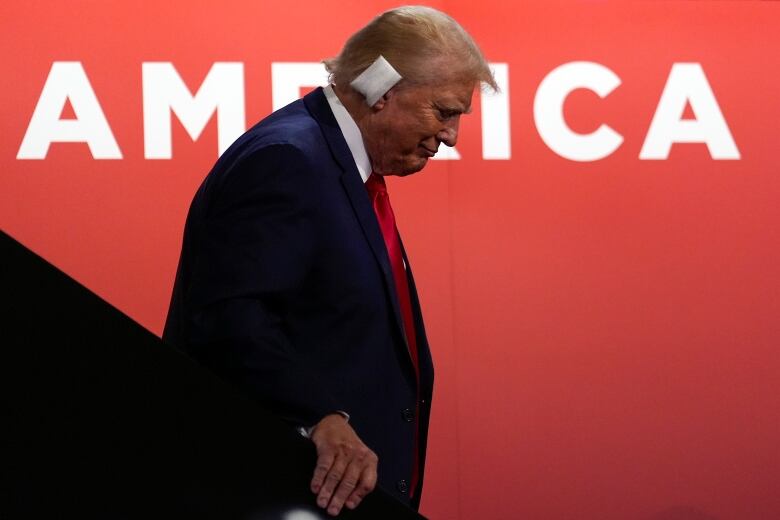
point(102, 420)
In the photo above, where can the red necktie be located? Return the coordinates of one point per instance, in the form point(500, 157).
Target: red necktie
point(377, 190)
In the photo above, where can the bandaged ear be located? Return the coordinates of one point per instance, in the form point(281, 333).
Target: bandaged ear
point(376, 80)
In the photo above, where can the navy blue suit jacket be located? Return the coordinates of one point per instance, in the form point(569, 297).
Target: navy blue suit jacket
point(285, 288)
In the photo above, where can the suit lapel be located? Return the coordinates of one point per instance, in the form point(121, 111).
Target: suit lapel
point(353, 185)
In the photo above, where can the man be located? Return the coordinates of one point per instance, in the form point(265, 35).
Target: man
point(293, 282)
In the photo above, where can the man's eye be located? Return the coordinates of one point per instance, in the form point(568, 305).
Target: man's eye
point(446, 114)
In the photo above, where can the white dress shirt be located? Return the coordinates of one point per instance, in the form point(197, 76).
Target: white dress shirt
point(350, 131)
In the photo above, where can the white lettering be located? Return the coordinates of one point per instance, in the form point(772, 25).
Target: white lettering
point(548, 111)
point(496, 141)
point(688, 84)
point(164, 92)
point(67, 81)
point(288, 78)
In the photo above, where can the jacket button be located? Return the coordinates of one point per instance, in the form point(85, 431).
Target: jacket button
point(408, 415)
point(403, 487)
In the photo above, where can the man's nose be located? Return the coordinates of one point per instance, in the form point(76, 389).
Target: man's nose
point(449, 133)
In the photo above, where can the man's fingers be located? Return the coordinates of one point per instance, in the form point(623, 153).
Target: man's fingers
point(365, 486)
point(348, 483)
point(332, 479)
point(324, 463)
point(346, 468)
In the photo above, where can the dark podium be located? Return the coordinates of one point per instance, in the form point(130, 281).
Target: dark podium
point(100, 419)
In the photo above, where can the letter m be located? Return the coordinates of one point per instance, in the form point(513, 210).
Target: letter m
point(164, 92)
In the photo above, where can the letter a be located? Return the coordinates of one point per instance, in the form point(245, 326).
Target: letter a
point(688, 84)
point(68, 81)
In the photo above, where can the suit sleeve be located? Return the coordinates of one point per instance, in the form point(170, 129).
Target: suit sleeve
point(253, 248)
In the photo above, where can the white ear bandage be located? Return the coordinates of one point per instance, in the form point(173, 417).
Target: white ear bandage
point(376, 80)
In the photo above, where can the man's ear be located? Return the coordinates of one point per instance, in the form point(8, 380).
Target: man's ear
point(382, 102)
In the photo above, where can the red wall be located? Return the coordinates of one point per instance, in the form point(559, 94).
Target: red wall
point(605, 332)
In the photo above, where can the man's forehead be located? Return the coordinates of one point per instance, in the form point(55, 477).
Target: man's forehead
point(454, 96)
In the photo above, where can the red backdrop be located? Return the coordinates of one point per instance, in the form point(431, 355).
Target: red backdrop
point(605, 332)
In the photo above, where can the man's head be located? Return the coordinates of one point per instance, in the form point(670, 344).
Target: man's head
point(440, 66)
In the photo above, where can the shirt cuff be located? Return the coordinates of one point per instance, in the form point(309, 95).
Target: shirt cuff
point(306, 432)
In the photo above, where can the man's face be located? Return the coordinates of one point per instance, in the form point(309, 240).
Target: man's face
point(414, 120)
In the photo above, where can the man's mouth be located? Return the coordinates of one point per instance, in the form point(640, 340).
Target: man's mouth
point(427, 151)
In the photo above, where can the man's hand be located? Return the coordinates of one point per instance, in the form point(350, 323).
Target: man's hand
point(346, 468)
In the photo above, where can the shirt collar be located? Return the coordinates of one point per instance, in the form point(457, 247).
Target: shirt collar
point(351, 133)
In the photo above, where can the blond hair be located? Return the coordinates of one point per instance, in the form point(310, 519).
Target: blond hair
point(424, 45)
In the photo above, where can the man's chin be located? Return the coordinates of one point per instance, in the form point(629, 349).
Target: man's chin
point(406, 168)
point(415, 167)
